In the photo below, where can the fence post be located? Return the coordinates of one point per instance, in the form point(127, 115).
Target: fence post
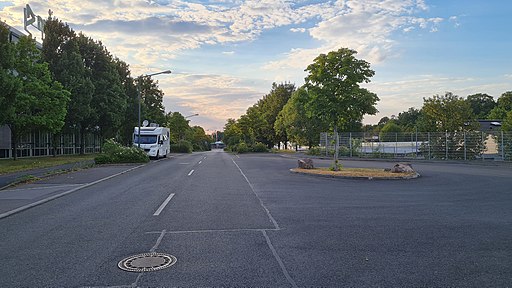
point(396, 142)
point(502, 146)
point(446, 144)
point(428, 138)
point(350, 143)
point(326, 142)
point(416, 142)
point(465, 149)
point(485, 146)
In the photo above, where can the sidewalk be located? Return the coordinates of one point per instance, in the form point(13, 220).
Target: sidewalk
point(11, 178)
point(15, 199)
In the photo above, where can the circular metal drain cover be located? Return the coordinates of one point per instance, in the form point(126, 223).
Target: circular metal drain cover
point(147, 262)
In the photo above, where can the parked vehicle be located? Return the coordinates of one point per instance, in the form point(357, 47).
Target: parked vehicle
point(154, 140)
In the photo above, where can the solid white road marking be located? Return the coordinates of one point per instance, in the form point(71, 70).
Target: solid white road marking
point(190, 173)
point(161, 208)
point(261, 202)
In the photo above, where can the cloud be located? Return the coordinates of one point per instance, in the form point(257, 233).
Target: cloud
point(300, 30)
point(215, 97)
point(365, 26)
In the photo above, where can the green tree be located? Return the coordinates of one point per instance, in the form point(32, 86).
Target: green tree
point(389, 131)
point(10, 84)
point(178, 125)
point(295, 122)
point(504, 105)
point(61, 51)
point(338, 99)
point(200, 141)
point(407, 120)
point(152, 99)
point(131, 115)
point(449, 112)
point(271, 105)
point(481, 104)
point(232, 133)
point(453, 117)
point(109, 100)
point(41, 102)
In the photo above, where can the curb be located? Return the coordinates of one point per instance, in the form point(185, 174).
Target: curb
point(416, 175)
point(42, 201)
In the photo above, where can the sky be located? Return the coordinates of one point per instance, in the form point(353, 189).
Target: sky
point(225, 54)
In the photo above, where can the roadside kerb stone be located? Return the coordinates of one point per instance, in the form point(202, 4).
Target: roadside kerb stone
point(42, 201)
point(405, 177)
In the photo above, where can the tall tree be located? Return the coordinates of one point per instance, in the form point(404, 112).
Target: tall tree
point(295, 122)
point(408, 119)
point(10, 84)
point(61, 51)
point(41, 102)
point(232, 133)
point(453, 117)
point(151, 99)
point(504, 105)
point(178, 125)
point(338, 98)
point(109, 100)
point(448, 112)
point(271, 105)
point(481, 104)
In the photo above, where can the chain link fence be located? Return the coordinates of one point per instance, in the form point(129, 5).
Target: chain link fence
point(475, 145)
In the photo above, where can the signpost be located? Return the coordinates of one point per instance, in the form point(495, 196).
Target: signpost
point(31, 19)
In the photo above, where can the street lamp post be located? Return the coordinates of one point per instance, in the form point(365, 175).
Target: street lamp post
point(191, 115)
point(139, 97)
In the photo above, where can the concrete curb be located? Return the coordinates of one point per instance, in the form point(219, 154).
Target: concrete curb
point(416, 175)
point(42, 201)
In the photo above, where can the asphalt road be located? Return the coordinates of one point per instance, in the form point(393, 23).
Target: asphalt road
point(247, 221)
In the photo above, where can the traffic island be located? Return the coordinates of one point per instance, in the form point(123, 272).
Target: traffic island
point(399, 171)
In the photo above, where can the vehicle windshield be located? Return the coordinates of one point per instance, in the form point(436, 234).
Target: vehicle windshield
point(145, 139)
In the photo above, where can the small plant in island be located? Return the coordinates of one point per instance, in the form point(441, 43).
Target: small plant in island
point(114, 152)
point(336, 166)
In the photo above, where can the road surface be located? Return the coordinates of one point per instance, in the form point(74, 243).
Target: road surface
point(247, 221)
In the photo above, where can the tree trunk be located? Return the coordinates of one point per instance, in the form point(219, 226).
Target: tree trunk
point(336, 147)
point(82, 140)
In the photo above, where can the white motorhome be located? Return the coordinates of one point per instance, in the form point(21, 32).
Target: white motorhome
point(154, 140)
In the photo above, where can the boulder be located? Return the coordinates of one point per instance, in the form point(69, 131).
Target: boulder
point(305, 163)
point(402, 168)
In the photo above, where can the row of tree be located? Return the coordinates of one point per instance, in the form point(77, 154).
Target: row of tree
point(448, 112)
point(332, 100)
point(75, 84)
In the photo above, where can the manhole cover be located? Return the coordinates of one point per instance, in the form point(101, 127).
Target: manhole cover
point(147, 262)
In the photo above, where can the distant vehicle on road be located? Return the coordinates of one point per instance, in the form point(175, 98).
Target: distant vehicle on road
point(154, 140)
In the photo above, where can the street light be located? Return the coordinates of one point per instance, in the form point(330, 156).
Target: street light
point(138, 95)
point(191, 115)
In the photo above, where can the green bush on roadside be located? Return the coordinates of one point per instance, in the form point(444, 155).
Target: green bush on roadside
point(183, 146)
point(114, 152)
point(259, 147)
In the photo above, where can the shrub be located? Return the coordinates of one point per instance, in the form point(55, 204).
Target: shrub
point(183, 146)
point(114, 152)
point(316, 151)
point(259, 147)
point(241, 148)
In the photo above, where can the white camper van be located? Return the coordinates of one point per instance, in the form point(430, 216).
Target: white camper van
point(154, 140)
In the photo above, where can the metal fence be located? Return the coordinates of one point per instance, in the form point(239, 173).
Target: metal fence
point(39, 143)
point(476, 145)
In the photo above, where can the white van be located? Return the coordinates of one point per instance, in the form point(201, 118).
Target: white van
point(154, 140)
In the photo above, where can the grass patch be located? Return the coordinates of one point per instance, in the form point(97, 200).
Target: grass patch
point(23, 164)
point(355, 172)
